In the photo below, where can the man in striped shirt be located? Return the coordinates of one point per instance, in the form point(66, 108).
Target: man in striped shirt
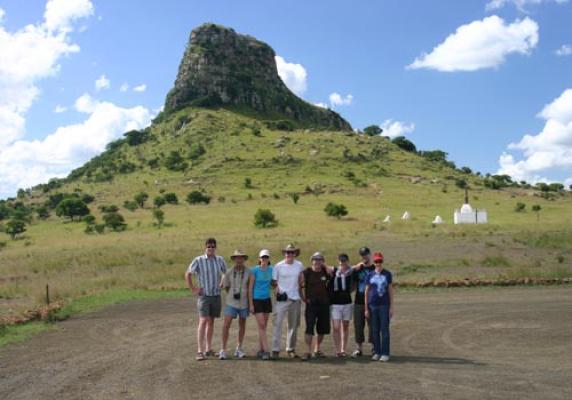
point(209, 269)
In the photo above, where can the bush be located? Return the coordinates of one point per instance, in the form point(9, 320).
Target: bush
point(159, 201)
point(196, 197)
point(281, 125)
point(130, 205)
point(404, 144)
point(43, 212)
point(115, 221)
point(196, 151)
point(175, 162)
point(72, 207)
point(264, 218)
point(15, 227)
point(373, 130)
point(336, 210)
point(519, 207)
point(107, 208)
point(461, 183)
point(295, 197)
point(171, 198)
point(89, 219)
point(248, 183)
point(159, 216)
point(140, 198)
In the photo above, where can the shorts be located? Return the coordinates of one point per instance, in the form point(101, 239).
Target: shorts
point(262, 306)
point(317, 316)
point(342, 311)
point(230, 311)
point(209, 306)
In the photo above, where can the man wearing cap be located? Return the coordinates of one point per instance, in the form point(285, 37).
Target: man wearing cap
point(287, 279)
point(236, 283)
point(379, 299)
point(316, 295)
point(360, 272)
point(209, 269)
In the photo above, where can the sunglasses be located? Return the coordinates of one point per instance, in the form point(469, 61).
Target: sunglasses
point(211, 247)
point(264, 257)
point(290, 252)
point(378, 262)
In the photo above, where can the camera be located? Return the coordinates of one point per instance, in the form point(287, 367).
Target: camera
point(281, 297)
point(236, 296)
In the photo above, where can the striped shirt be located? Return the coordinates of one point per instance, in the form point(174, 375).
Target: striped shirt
point(209, 271)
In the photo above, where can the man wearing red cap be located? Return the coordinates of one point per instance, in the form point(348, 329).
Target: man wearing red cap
point(379, 295)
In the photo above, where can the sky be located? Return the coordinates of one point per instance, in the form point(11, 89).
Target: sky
point(487, 81)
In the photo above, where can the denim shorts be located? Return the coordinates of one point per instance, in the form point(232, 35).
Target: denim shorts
point(230, 311)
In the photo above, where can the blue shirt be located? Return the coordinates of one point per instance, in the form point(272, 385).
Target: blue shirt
point(378, 283)
point(262, 280)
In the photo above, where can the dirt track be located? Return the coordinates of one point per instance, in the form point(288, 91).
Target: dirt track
point(511, 343)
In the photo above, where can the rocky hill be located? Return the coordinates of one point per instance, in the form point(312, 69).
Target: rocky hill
point(223, 68)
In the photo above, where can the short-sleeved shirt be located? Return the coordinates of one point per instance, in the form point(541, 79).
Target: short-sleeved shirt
point(209, 271)
point(378, 283)
point(317, 286)
point(341, 293)
point(262, 280)
point(237, 283)
point(359, 277)
point(287, 277)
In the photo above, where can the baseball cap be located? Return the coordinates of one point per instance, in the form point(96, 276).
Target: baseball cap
point(264, 253)
point(377, 256)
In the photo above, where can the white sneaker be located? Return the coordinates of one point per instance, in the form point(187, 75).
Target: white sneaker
point(222, 355)
point(238, 353)
point(384, 358)
point(375, 357)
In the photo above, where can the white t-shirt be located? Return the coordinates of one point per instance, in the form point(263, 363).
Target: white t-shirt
point(287, 275)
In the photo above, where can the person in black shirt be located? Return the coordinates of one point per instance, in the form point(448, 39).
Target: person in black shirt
point(360, 272)
point(341, 299)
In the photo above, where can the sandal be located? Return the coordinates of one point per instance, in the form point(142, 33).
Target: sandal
point(318, 354)
point(306, 357)
point(200, 357)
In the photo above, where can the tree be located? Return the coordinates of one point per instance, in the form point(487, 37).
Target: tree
point(434, 155)
point(248, 183)
point(336, 210)
point(175, 162)
point(43, 212)
point(107, 208)
point(159, 216)
point(130, 205)
point(140, 198)
point(519, 207)
point(72, 207)
point(196, 197)
point(15, 227)
point(373, 130)
point(466, 170)
point(171, 198)
point(115, 221)
point(461, 183)
point(404, 144)
point(264, 218)
point(159, 201)
point(536, 208)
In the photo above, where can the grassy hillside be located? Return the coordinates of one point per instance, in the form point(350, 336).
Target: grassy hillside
point(218, 150)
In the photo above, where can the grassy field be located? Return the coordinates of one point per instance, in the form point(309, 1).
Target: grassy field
point(385, 181)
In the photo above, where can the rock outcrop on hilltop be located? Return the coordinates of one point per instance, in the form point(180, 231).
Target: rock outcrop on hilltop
point(223, 68)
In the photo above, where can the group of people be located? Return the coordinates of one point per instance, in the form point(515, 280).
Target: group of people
point(325, 290)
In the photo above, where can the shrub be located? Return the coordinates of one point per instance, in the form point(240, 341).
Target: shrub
point(519, 207)
point(264, 218)
point(196, 151)
point(196, 197)
point(89, 219)
point(295, 197)
point(15, 227)
point(130, 205)
point(106, 208)
point(159, 201)
point(275, 196)
point(72, 207)
point(336, 210)
point(248, 183)
point(466, 170)
point(140, 198)
point(159, 216)
point(99, 228)
point(373, 130)
point(255, 130)
point(434, 155)
point(115, 221)
point(43, 212)
point(461, 183)
point(171, 198)
point(135, 138)
point(2, 245)
point(404, 144)
point(175, 162)
point(536, 208)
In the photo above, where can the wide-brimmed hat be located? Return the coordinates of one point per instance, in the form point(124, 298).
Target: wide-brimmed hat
point(291, 247)
point(317, 256)
point(239, 253)
point(264, 253)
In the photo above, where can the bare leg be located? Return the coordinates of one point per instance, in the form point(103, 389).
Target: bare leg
point(345, 331)
point(336, 335)
point(201, 334)
point(319, 342)
point(308, 339)
point(262, 320)
point(225, 331)
point(241, 331)
point(209, 332)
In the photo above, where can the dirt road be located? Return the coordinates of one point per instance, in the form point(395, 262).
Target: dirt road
point(512, 343)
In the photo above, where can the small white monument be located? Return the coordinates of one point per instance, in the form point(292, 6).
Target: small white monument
point(468, 215)
point(438, 220)
point(387, 220)
point(406, 216)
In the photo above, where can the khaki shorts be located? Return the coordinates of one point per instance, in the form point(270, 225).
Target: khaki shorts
point(209, 306)
point(342, 312)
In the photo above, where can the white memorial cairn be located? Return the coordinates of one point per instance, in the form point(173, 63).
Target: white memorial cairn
point(468, 215)
point(438, 220)
point(406, 216)
point(387, 219)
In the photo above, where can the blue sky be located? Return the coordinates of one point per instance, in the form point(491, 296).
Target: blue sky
point(472, 78)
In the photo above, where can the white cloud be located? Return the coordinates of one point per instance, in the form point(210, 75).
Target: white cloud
point(293, 75)
point(480, 44)
point(338, 100)
point(27, 163)
point(548, 151)
point(60, 14)
point(124, 87)
point(2, 14)
point(393, 128)
point(520, 4)
point(322, 105)
point(140, 88)
point(60, 109)
point(102, 83)
point(564, 50)
point(29, 55)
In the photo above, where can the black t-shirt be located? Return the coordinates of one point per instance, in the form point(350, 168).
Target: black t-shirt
point(359, 277)
point(341, 296)
point(316, 286)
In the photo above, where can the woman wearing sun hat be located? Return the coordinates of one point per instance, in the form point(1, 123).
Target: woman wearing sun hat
point(236, 283)
point(379, 299)
point(260, 302)
point(286, 278)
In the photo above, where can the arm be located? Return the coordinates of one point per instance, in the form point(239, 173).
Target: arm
point(301, 286)
point(224, 283)
point(391, 299)
point(358, 266)
point(365, 301)
point(251, 280)
point(189, 279)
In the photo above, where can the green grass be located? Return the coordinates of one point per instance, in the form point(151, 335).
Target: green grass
point(20, 333)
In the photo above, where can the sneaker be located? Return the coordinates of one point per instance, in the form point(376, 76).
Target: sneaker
point(222, 355)
point(356, 354)
point(375, 357)
point(292, 354)
point(306, 357)
point(238, 353)
point(275, 355)
point(384, 358)
point(319, 354)
point(209, 353)
point(265, 355)
point(259, 354)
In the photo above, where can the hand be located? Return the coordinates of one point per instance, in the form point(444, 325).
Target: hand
point(391, 312)
point(196, 291)
point(252, 309)
point(366, 313)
